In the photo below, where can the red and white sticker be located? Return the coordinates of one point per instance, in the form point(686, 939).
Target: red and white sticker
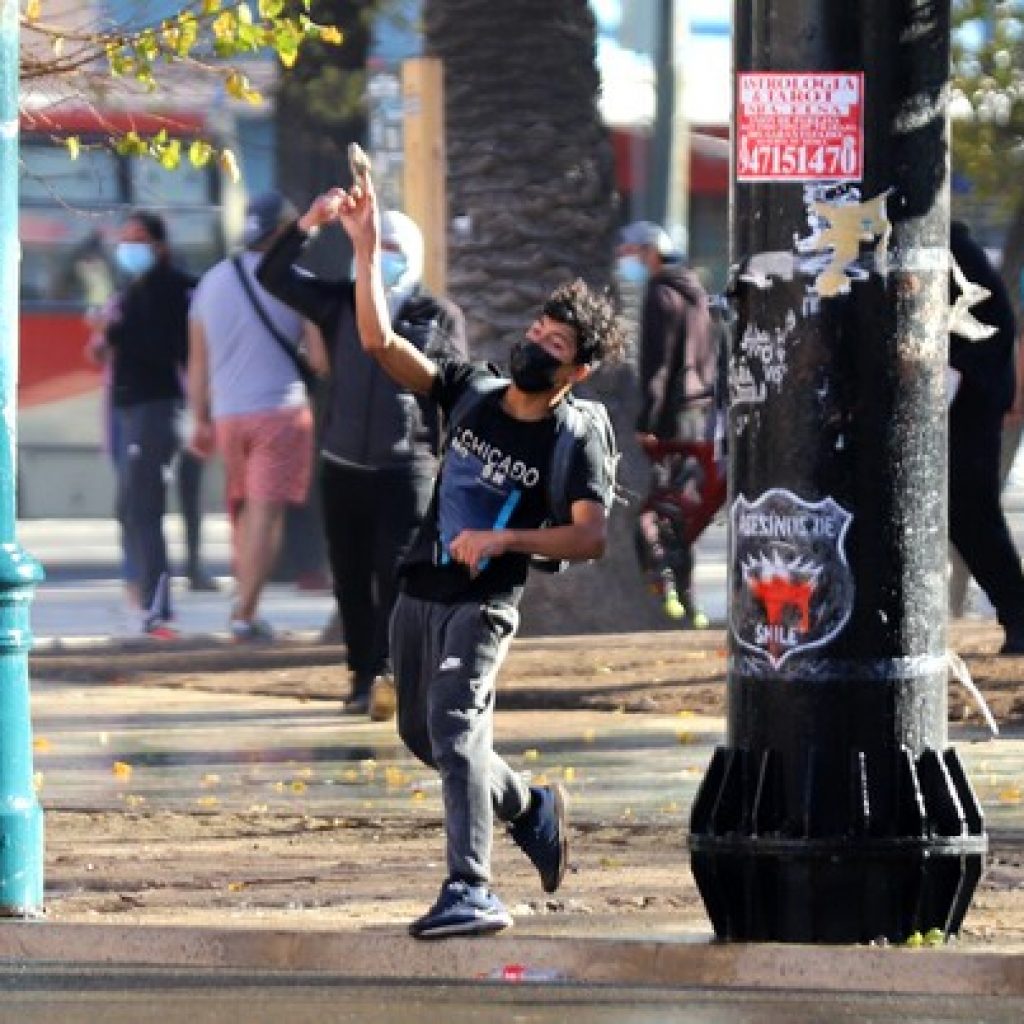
point(800, 127)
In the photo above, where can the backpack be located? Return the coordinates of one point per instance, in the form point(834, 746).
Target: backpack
point(576, 420)
point(690, 364)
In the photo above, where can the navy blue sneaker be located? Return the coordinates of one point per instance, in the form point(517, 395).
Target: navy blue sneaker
point(462, 909)
point(541, 834)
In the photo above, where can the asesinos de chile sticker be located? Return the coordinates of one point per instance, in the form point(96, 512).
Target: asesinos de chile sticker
point(792, 587)
point(800, 126)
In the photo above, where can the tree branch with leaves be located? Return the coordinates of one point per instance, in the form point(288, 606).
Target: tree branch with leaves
point(65, 60)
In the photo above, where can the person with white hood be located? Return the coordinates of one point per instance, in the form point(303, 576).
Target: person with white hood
point(378, 441)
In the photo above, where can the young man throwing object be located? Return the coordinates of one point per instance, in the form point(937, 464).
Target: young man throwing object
point(492, 512)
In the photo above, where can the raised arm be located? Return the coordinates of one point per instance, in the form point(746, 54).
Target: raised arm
point(316, 299)
point(401, 360)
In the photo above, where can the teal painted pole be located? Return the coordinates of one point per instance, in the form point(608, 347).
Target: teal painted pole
point(21, 817)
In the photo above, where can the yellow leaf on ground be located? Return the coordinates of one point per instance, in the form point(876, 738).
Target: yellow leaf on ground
point(41, 744)
point(122, 770)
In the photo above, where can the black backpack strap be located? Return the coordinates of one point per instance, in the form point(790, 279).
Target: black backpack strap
point(470, 398)
point(572, 427)
point(290, 347)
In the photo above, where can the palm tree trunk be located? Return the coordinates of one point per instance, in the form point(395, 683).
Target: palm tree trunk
point(530, 174)
point(531, 204)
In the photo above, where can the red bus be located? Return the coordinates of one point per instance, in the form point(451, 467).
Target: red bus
point(68, 214)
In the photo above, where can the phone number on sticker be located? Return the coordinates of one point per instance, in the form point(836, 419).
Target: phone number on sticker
point(803, 161)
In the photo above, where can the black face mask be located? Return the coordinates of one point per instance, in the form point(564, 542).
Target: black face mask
point(533, 367)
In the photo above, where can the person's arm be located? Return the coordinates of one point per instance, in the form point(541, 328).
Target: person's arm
point(451, 340)
point(202, 440)
point(314, 348)
point(400, 359)
point(312, 296)
point(663, 329)
point(585, 538)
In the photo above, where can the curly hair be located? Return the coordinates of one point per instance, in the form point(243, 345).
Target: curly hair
point(600, 331)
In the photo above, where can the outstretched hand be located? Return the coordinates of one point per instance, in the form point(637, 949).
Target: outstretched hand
point(358, 214)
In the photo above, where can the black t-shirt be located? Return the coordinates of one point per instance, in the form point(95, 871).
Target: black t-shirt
point(150, 338)
point(494, 474)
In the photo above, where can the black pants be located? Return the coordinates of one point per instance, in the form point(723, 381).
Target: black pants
point(146, 443)
point(190, 498)
point(977, 526)
point(370, 518)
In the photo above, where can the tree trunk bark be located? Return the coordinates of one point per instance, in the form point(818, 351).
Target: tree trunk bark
point(531, 203)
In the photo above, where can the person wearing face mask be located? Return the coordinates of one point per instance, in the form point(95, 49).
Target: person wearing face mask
point(677, 366)
point(378, 441)
point(493, 511)
point(145, 337)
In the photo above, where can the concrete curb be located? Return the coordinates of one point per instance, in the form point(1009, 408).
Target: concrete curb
point(673, 963)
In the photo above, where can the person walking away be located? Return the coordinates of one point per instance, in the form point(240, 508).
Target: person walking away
point(977, 525)
point(146, 337)
point(462, 579)
point(677, 368)
point(1013, 427)
point(250, 403)
point(378, 443)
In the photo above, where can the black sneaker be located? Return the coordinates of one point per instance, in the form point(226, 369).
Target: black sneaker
point(462, 909)
point(357, 704)
point(541, 834)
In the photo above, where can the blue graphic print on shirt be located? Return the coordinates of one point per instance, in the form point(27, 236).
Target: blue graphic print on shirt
point(480, 488)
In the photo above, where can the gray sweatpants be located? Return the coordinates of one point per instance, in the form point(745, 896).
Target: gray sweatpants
point(446, 659)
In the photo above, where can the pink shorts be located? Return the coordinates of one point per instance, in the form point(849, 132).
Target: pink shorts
point(268, 456)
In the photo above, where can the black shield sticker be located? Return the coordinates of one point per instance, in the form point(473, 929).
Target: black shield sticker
point(792, 587)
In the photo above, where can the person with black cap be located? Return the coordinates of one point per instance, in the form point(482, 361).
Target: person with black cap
point(677, 367)
point(248, 354)
point(379, 441)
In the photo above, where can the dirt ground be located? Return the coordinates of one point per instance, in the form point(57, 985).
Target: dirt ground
point(368, 871)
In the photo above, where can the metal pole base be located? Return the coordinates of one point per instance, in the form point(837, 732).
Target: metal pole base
point(21, 817)
point(861, 854)
point(21, 860)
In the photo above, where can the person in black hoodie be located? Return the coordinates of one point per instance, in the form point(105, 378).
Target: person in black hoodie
point(983, 359)
point(677, 365)
point(146, 335)
point(378, 441)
